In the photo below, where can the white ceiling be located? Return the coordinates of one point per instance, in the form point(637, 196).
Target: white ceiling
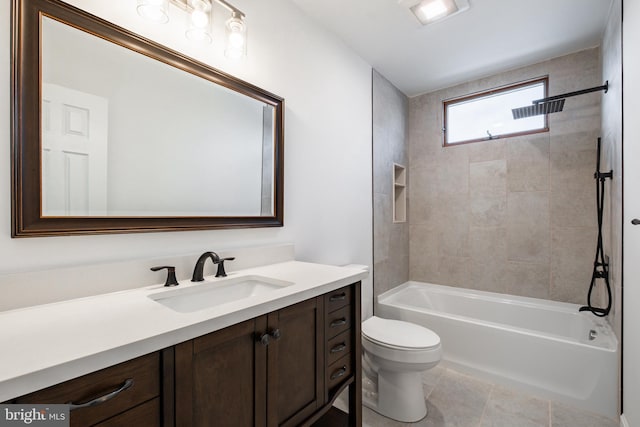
point(490, 37)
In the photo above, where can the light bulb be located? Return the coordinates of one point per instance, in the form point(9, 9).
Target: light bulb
point(199, 22)
point(236, 39)
point(433, 10)
point(199, 19)
point(236, 36)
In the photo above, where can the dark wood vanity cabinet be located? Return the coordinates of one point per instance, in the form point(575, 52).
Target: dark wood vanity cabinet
point(284, 368)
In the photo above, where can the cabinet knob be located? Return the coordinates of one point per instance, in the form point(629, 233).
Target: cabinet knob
point(263, 339)
point(275, 334)
point(635, 221)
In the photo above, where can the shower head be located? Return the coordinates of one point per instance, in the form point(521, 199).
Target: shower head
point(553, 104)
point(538, 109)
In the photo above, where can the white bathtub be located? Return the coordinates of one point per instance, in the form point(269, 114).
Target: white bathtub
point(541, 346)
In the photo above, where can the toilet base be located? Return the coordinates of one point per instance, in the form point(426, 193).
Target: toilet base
point(399, 395)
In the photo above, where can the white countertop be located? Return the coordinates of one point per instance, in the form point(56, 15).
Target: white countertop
point(48, 344)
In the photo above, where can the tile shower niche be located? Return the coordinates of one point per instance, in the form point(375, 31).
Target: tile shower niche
point(399, 193)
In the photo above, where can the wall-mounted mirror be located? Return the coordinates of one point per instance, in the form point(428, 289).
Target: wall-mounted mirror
point(115, 133)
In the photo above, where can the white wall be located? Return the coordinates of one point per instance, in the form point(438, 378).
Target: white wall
point(631, 234)
point(327, 91)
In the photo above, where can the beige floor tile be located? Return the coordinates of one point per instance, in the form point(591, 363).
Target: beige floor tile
point(431, 377)
point(458, 400)
point(509, 408)
point(564, 416)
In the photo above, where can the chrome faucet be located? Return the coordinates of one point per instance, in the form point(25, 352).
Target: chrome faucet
point(198, 271)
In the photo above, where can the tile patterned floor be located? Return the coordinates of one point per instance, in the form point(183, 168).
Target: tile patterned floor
point(456, 399)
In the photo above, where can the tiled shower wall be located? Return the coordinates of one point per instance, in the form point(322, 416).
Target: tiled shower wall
point(512, 215)
point(612, 156)
point(390, 240)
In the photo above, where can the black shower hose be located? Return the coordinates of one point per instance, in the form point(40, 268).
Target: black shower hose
point(600, 264)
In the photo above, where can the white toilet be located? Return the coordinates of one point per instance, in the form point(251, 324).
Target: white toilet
point(395, 354)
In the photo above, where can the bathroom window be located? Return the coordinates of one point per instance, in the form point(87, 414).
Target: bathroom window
point(487, 115)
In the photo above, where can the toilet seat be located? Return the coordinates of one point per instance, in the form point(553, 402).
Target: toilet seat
point(399, 335)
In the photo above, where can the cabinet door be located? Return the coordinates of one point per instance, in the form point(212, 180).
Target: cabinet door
point(220, 378)
point(295, 363)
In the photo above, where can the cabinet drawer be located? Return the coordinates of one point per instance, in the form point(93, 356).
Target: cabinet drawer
point(144, 372)
point(338, 298)
point(339, 371)
point(338, 321)
point(145, 415)
point(338, 346)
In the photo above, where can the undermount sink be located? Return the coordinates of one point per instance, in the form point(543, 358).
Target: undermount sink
point(210, 294)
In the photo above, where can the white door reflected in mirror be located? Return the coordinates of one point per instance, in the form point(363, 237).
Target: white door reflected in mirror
point(74, 152)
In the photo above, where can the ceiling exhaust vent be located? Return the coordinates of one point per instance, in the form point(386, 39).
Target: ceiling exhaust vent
point(430, 11)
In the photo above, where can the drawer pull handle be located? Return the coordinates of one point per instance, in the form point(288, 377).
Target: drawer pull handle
point(102, 399)
point(338, 322)
point(339, 373)
point(338, 297)
point(338, 348)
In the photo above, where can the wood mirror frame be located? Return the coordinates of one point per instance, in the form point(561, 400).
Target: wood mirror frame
point(26, 157)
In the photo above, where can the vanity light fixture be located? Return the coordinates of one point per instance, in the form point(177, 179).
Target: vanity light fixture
point(236, 31)
point(199, 21)
point(199, 15)
point(430, 11)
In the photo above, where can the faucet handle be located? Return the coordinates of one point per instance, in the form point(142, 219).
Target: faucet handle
point(171, 274)
point(221, 272)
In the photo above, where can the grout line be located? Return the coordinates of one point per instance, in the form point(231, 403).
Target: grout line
point(484, 410)
point(436, 383)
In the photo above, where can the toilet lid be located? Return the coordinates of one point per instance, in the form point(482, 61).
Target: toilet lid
point(396, 333)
